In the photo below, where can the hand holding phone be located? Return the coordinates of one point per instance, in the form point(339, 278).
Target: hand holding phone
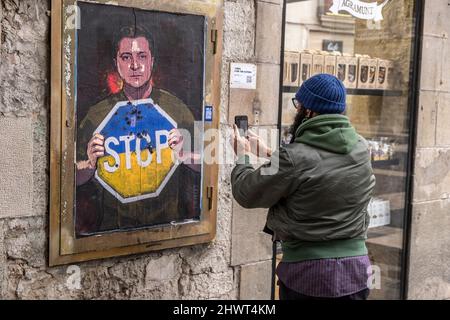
point(242, 124)
point(239, 140)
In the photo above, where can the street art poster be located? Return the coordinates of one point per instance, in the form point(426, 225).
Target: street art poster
point(135, 87)
point(139, 94)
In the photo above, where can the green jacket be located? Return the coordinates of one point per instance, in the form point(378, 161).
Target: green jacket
point(317, 188)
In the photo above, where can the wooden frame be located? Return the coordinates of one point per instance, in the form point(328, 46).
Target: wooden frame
point(65, 248)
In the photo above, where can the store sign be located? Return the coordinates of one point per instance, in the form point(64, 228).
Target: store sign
point(138, 161)
point(359, 9)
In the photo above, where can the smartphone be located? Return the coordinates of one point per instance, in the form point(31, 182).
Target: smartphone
point(242, 124)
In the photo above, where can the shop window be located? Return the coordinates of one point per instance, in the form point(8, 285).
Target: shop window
point(371, 51)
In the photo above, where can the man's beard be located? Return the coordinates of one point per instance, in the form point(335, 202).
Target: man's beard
point(300, 118)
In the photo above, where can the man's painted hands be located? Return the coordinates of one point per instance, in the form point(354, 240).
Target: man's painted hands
point(95, 150)
point(176, 143)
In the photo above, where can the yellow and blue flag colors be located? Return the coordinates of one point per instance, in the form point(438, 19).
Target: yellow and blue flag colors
point(138, 161)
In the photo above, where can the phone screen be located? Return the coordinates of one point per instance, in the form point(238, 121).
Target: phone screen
point(242, 124)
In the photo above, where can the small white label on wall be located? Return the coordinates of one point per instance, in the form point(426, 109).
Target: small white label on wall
point(243, 76)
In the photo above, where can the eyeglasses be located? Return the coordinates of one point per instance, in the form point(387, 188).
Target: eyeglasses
point(296, 103)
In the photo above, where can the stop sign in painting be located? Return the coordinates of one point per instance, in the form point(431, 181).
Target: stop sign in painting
point(138, 161)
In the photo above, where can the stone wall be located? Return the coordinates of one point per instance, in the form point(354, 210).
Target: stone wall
point(429, 272)
point(223, 269)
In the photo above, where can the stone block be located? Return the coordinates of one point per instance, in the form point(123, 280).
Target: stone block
point(214, 257)
point(268, 32)
point(241, 103)
point(3, 264)
point(207, 286)
point(248, 220)
point(239, 30)
point(443, 119)
point(268, 88)
point(249, 243)
point(25, 57)
point(250, 247)
point(41, 150)
point(429, 275)
point(166, 268)
point(16, 167)
point(431, 63)
point(429, 233)
point(1, 18)
point(256, 281)
point(436, 20)
point(432, 174)
point(426, 129)
point(445, 79)
point(433, 288)
point(26, 240)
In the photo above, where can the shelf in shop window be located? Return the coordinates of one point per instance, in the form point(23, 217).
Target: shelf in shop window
point(358, 92)
point(379, 133)
point(386, 236)
point(374, 92)
point(382, 164)
point(390, 173)
point(290, 89)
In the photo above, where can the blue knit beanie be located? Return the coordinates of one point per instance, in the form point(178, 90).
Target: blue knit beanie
point(324, 94)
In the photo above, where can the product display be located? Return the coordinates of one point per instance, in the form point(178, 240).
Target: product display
point(306, 62)
point(355, 71)
point(330, 64)
point(381, 150)
point(382, 74)
point(291, 69)
point(367, 72)
point(379, 212)
point(347, 70)
point(391, 82)
point(318, 63)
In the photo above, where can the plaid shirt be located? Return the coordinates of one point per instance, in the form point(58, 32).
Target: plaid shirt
point(326, 278)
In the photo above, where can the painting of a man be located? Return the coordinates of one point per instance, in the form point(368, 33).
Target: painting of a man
point(98, 210)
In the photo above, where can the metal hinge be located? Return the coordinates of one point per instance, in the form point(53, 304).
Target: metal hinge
point(214, 40)
point(210, 195)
